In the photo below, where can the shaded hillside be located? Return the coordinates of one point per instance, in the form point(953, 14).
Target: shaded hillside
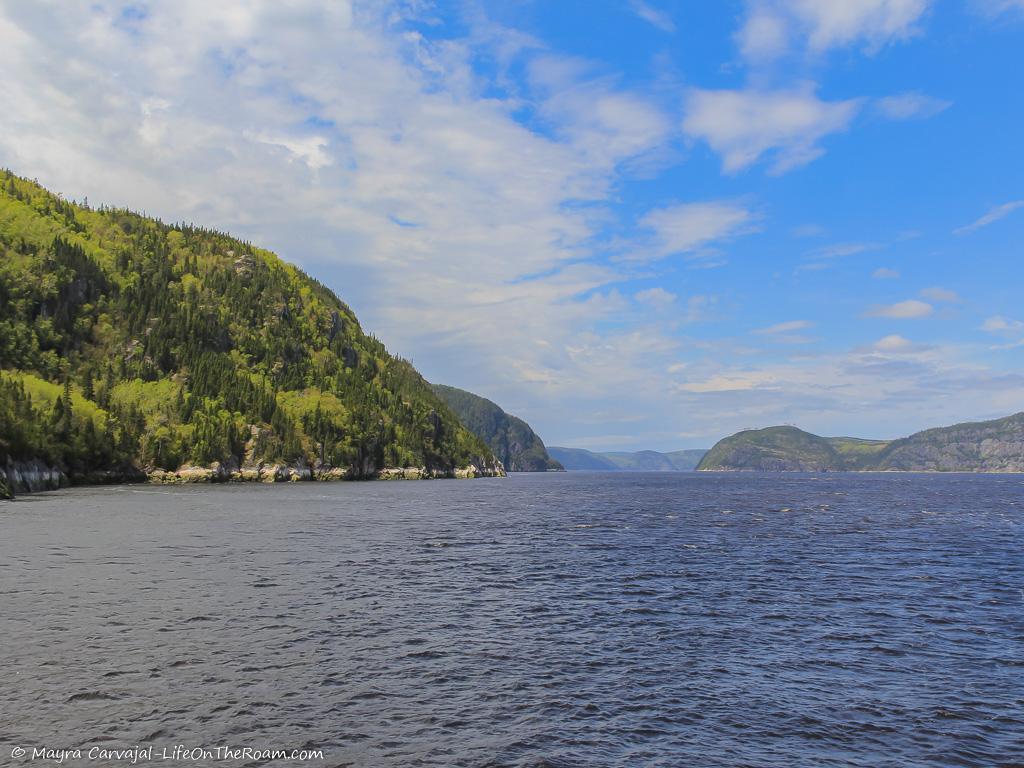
point(622, 461)
point(129, 346)
point(511, 439)
point(987, 446)
point(775, 449)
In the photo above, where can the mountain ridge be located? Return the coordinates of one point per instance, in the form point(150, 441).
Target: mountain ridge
point(996, 445)
point(581, 459)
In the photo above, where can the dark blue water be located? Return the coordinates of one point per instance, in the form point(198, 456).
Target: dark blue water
point(553, 620)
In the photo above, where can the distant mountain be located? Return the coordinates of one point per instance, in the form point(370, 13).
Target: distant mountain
point(619, 461)
point(987, 446)
point(515, 444)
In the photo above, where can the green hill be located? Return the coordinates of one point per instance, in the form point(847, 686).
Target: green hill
point(625, 461)
point(130, 348)
point(775, 449)
point(518, 447)
point(987, 446)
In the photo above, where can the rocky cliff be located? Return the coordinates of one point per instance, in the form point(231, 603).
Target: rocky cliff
point(986, 446)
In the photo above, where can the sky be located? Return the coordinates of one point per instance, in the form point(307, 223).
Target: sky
point(637, 224)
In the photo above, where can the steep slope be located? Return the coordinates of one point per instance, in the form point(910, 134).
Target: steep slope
point(986, 446)
point(130, 347)
point(624, 461)
point(515, 444)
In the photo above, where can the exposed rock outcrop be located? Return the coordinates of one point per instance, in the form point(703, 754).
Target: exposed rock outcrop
point(31, 477)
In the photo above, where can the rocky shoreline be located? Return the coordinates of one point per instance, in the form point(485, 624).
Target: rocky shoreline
point(36, 476)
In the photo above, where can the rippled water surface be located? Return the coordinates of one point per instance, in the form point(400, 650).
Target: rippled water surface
point(552, 620)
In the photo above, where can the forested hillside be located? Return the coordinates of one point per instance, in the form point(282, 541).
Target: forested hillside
point(513, 441)
point(131, 346)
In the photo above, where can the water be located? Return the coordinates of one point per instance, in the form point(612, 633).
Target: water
point(551, 620)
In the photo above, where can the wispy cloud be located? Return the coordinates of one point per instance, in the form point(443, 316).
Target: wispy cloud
point(997, 213)
point(786, 327)
point(911, 309)
point(772, 26)
point(885, 273)
point(938, 294)
point(364, 128)
point(656, 297)
point(688, 227)
point(787, 332)
point(653, 16)
point(808, 230)
point(1000, 324)
point(997, 7)
point(786, 125)
point(838, 250)
point(910, 105)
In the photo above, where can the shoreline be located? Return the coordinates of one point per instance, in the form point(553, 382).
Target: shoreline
point(37, 477)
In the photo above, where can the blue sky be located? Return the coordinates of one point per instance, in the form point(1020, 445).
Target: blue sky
point(635, 224)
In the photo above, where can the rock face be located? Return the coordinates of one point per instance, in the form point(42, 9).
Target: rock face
point(574, 459)
point(282, 473)
point(988, 446)
point(30, 477)
point(514, 443)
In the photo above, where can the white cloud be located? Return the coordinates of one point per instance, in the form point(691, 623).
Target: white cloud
point(729, 383)
point(808, 230)
point(884, 273)
point(893, 343)
point(941, 295)
point(785, 333)
point(839, 250)
point(903, 310)
point(825, 24)
point(910, 105)
point(997, 7)
point(656, 297)
point(764, 35)
point(318, 131)
point(1000, 324)
point(888, 389)
point(322, 133)
point(991, 217)
point(687, 227)
point(653, 16)
point(787, 125)
point(786, 327)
